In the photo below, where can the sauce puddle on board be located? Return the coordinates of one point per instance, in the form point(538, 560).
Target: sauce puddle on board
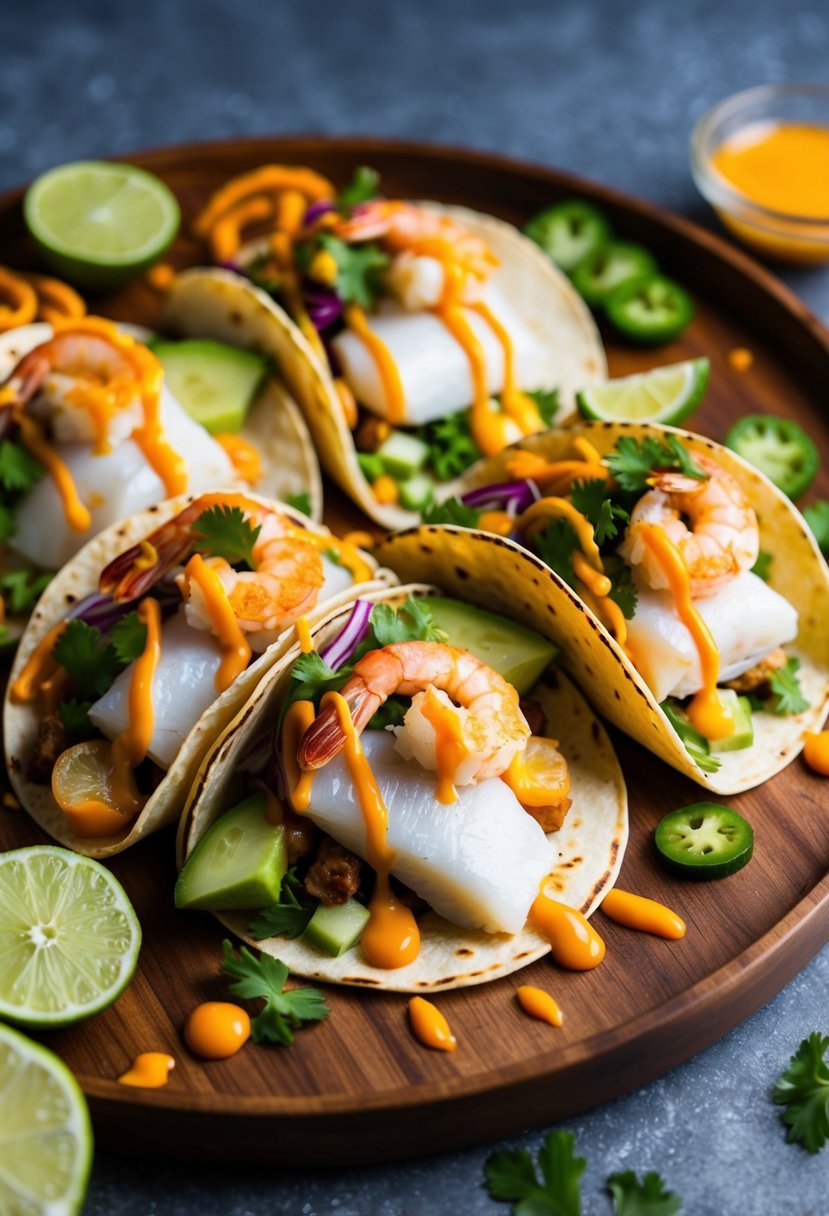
point(150, 1070)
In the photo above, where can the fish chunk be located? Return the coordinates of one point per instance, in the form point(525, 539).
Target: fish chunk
point(477, 862)
point(747, 619)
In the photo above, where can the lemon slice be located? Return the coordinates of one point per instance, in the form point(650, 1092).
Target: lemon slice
point(69, 938)
point(82, 787)
point(45, 1133)
point(99, 224)
point(666, 394)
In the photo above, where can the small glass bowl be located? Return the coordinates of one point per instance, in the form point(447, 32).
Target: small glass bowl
point(790, 238)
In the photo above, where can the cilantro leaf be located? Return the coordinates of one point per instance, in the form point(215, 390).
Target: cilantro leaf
point(804, 1089)
point(390, 713)
point(8, 527)
point(359, 268)
point(314, 677)
point(265, 977)
point(592, 500)
point(784, 684)
point(452, 450)
point(817, 517)
point(91, 662)
point(623, 590)
point(21, 589)
point(75, 717)
point(547, 402)
point(411, 622)
point(647, 1198)
point(634, 461)
point(224, 532)
point(18, 470)
point(762, 567)
point(290, 916)
point(513, 1176)
point(452, 511)
point(361, 188)
point(300, 502)
point(128, 637)
point(555, 545)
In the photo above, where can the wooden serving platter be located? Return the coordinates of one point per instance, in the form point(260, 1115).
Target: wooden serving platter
point(358, 1088)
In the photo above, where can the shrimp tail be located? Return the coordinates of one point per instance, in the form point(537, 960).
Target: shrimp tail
point(133, 573)
point(324, 739)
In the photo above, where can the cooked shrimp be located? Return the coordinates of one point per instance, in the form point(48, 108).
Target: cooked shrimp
point(488, 730)
point(284, 585)
point(720, 540)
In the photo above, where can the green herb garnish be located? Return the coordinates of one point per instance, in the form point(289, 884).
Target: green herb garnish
point(129, 637)
point(591, 499)
point(300, 502)
point(547, 403)
point(21, 589)
point(762, 567)
point(784, 685)
point(411, 622)
point(452, 450)
point(18, 470)
point(90, 661)
point(646, 1198)
point(75, 717)
point(804, 1090)
point(555, 545)
point(361, 188)
point(264, 978)
point(223, 531)
point(634, 461)
point(452, 511)
point(512, 1176)
point(359, 269)
point(622, 587)
point(290, 916)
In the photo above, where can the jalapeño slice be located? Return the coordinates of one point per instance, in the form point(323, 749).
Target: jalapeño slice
point(568, 232)
point(650, 309)
point(778, 447)
point(704, 840)
point(607, 267)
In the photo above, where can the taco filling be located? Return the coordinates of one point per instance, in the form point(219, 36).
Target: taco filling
point(431, 363)
point(123, 678)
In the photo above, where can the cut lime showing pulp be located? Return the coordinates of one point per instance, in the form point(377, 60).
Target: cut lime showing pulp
point(667, 394)
point(45, 1133)
point(99, 224)
point(69, 937)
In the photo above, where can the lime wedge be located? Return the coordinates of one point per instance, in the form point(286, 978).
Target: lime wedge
point(45, 1133)
point(69, 937)
point(99, 224)
point(667, 394)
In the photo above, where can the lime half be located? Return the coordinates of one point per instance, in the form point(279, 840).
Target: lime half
point(667, 394)
point(99, 224)
point(45, 1133)
point(69, 937)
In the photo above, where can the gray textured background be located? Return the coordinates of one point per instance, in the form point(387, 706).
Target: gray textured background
point(609, 90)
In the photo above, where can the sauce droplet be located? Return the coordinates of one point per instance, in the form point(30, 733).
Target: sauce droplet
point(216, 1030)
point(539, 1004)
point(429, 1026)
point(150, 1070)
point(575, 943)
point(816, 751)
point(646, 915)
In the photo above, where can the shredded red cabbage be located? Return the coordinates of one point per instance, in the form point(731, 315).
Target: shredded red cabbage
point(102, 612)
point(316, 210)
point(510, 496)
point(323, 306)
point(338, 652)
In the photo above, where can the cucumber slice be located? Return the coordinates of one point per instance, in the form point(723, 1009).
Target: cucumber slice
point(402, 455)
point(217, 384)
point(518, 653)
point(335, 929)
point(371, 466)
point(239, 863)
point(740, 710)
point(417, 492)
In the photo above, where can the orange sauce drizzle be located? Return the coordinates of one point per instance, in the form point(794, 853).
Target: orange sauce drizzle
point(18, 300)
point(216, 1030)
point(303, 634)
point(236, 651)
point(298, 782)
point(77, 515)
point(816, 751)
point(355, 319)
point(500, 522)
point(150, 1070)
point(705, 710)
point(348, 554)
point(450, 748)
point(556, 475)
point(226, 236)
point(429, 1026)
point(37, 667)
point(267, 179)
point(348, 402)
point(575, 943)
point(646, 915)
point(520, 407)
point(391, 939)
point(539, 1004)
point(130, 747)
point(244, 456)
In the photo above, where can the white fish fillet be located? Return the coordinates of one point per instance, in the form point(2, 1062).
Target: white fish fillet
point(184, 686)
point(477, 862)
point(747, 619)
point(113, 486)
point(434, 369)
point(337, 578)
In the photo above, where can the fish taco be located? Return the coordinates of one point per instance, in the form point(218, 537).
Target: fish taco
point(145, 645)
point(101, 420)
point(423, 336)
point(687, 591)
point(406, 798)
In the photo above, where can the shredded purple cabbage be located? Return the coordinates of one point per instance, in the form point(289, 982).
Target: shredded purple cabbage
point(316, 210)
point(338, 652)
point(102, 612)
point(323, 306)
point(510, 496)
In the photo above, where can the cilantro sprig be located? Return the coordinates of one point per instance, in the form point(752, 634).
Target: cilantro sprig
point(646, 1198)
point(762, 567)
point(512, 1176)
point(786, 695)
point(803, 1088)
point(289, 917)
point(264, 978)
point(223, 531)
point(361, 188)
point(89, 658)
point(555, 545)
point(452, 450)
point(359, 269)
point(21, 589)
point(634, 461)
point(592, 500)
point(19, 471)
point(300, 502)
point(451, 511)
point(547, 402)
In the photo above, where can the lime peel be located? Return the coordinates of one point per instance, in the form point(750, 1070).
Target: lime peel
point(666, 395)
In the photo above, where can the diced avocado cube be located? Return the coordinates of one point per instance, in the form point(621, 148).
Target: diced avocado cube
point(239, 863)
point(402, 455)
point(371, 466)
point(740, 710)
point(518, 653)
point(216, 383)
point(416, 492)
point(335, 929)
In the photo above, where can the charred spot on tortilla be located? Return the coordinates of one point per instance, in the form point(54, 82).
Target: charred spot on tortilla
point(463, 951)
point(462, 574)
point(69, 598)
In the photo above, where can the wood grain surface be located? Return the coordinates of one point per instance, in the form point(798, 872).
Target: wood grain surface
point(358, 1088)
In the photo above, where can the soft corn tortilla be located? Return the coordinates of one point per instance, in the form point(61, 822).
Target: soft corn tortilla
point(75, 581)
point(571, 353)
point(219, 305)
point(591, 841)
point(500, 574)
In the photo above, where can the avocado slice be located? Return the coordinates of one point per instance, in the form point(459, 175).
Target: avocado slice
point(519, 654)
point(216, 383)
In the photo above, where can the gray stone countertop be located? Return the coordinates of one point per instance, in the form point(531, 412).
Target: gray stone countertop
point(609, 90)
